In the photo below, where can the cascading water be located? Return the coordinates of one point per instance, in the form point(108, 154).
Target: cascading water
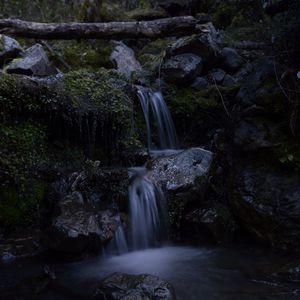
point(147, 202)
point(147, 207)
point(167, 137)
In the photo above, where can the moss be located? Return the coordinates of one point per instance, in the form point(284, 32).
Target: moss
point(102, 95)
point(155, 47)
point(22, 152)
point(21, 207)
point(83, 54)
point(188, 100)
point(223, 16)
point(21, 149)
point(146, 14)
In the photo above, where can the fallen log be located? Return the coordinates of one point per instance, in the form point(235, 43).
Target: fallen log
point(176, 26)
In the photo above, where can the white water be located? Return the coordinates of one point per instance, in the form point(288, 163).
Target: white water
point(147, 207)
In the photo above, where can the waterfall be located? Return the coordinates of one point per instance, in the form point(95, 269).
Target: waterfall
point(118, 245)
point(120, 239)
point(167, 137)
point(147, 207)
point(146, 200)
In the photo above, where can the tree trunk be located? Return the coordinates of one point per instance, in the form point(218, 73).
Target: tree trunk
point(176, 26)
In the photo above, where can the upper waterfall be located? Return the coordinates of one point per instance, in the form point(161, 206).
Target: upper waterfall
point(166, 133)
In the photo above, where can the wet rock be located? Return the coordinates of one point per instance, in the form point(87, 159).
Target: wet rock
point(81, 228)
point(200, 83)
point(86, 209)
point(9, 49)
point(7, 258)
point(124, 59)
point(230, 60)
point(203, 45)
point(267, 203)
point(182, 68)
point(34, 62)
point(229, 81)
point(182, 170)
point(217, 75)
point(125, 286)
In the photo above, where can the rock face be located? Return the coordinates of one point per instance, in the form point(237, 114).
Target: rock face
point(182, 68)
point(267, 203)
point(33, 63)
point(9, 48)
point(124, 59)
point(230, 60)
point(125, 286)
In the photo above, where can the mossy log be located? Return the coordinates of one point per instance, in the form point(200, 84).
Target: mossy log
point(175, 26)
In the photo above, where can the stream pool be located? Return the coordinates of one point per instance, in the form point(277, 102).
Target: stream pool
point(234, 273)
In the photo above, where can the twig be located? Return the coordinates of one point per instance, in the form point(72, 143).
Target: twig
point(223, 102)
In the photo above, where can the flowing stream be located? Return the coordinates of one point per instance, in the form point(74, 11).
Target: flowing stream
point(196, 273)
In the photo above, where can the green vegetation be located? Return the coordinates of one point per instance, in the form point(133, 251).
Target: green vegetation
point(82, 54)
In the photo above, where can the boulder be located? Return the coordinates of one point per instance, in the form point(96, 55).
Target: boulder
point(217, 75)
point(203, 45)
point(182, 68)
point(230, 60)
point(182, 169)
point(267, 203)
point(260, 85)
point(229, 81)
point(79, 227)
point(125, 286)
point(86, 204)
point(34, 62)
point(200, 83)
point(9, 48)
point(124, 59)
